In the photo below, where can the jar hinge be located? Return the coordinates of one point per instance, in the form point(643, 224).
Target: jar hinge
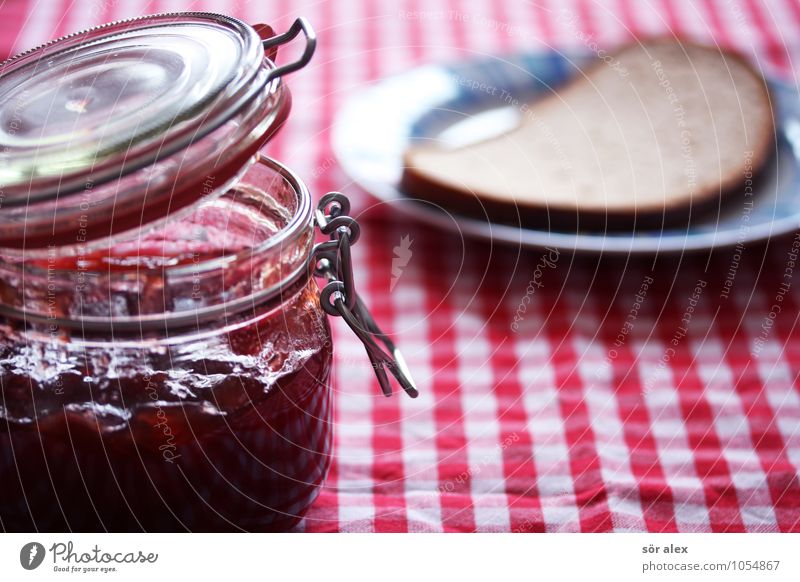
point(299, 25)
point(332, 260)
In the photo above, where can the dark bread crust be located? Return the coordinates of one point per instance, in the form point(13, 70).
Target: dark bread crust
point(491, 209)
point(675, 213)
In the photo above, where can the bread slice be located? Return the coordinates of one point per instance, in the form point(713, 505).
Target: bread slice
point(651, 141)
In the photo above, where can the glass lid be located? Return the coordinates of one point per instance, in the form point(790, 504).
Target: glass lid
point(167, 93)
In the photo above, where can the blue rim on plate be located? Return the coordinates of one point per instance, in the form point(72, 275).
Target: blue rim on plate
point(436, 102)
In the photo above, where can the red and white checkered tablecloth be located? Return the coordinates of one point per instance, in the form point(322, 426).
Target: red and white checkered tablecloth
point(596, 414)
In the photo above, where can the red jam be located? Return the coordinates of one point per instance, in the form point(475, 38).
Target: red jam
point(225, 425)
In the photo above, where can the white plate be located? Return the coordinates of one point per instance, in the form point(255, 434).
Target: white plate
point(375, 127)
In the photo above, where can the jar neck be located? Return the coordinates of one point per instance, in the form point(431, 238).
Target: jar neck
point(246, 248)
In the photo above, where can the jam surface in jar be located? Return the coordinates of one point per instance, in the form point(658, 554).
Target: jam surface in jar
point(216, 425)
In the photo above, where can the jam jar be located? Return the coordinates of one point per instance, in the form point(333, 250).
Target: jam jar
point(165, 351)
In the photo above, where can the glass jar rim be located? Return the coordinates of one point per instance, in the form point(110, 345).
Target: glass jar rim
point(300, 223)
point(301, 219)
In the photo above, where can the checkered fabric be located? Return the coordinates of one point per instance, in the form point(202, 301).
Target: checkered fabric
point(632, 395)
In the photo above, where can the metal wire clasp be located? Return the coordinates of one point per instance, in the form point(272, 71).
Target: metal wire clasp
point(339, 298)
point(299, 25)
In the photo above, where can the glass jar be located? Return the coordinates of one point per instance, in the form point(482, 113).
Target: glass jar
point(197, 405)
point(165, 353)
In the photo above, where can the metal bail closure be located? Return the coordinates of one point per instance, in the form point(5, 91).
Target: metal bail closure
point(299, 25)
point(339, 297)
